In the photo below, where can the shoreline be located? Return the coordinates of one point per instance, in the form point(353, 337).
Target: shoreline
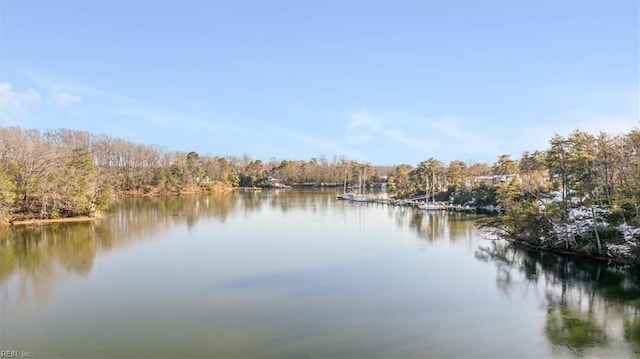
point(36, 222)
point(44, 222)
point(575, 254)
point(157, 192)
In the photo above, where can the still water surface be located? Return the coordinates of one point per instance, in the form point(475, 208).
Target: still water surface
point(294, 274)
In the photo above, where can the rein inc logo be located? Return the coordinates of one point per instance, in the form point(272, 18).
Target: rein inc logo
point(15, 354)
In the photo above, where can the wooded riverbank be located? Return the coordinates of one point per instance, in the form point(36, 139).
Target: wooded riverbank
point(33, 220)
point(580, 195)
point(588, 205)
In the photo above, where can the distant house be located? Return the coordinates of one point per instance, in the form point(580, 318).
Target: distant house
point(276, 182)
point(495, 179)
point(487, 180)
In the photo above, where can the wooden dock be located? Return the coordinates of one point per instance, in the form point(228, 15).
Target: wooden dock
point(410, 203)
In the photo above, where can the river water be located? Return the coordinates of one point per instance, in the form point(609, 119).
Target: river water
point(295, 274)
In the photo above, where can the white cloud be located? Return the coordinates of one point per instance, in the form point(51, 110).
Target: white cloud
point(455, 135)
point(320, 144)
point(444, 138)
point(361, 128)
point(594, 122)
point(14, 104)
point(65, 93)
point(362, 119)
point(62, 98)
point(399, 136)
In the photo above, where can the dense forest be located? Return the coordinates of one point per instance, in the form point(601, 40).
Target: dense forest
point(581, 194)
point(64, 173)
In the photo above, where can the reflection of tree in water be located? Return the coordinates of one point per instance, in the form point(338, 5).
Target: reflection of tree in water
point(574, 329)
point(461, 226)
point(145, 212)
point(37, 256)
point(399, 214)
point(632, 327)
point(251, 201)
point(286, 199)
point(584, 299)
point(442, 225)
point(418, 222)
point(434, 225)
point(313, 200)
point(429, 225)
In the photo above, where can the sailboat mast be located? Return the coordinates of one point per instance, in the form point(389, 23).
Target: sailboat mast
point(433, 186)
point(426, 188)
point(364, 182)
point(345, 181)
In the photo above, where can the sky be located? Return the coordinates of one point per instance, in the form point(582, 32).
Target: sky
point(377, 81)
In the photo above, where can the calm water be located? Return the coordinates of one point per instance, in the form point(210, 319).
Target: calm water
point(295, 274)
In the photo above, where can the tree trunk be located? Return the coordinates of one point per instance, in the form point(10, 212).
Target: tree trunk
point(595, 229)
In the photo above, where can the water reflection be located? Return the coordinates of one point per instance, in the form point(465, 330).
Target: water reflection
point(590, 305)
point(285, 199)
point(142, 215)
point(37, 256)
point(632, 330)
point(322, 264)
point(313, 200)
point(434, 226)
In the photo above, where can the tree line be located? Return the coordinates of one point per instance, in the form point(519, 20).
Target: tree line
point(63, 173)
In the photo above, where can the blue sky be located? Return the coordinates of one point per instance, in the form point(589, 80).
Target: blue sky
point(376, 81)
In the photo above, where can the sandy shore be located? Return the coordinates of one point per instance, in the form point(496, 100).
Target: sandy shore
point(41, 222)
